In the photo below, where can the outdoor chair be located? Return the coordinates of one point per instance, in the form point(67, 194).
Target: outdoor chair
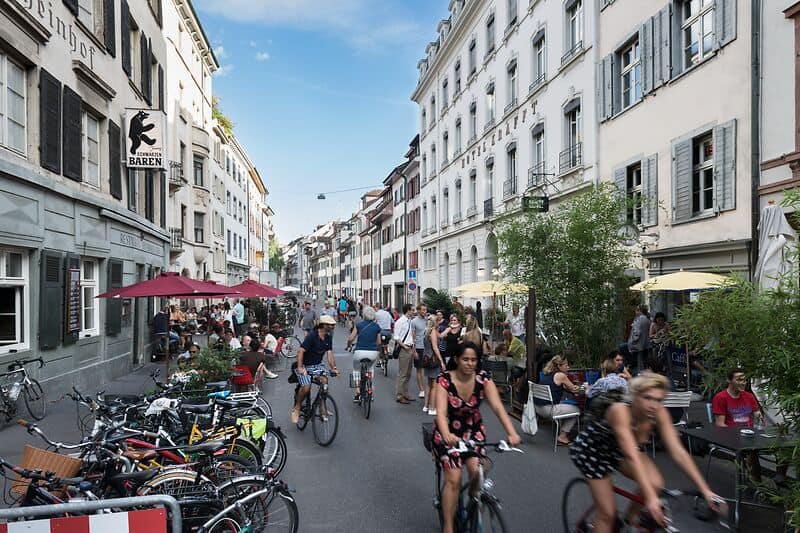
point(676, 400)
point(543, 392)
point(722, 453)
point(498, 371)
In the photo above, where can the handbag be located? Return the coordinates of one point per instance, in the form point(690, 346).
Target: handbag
point(430, 361)
point(399, 345)
point(529, 423)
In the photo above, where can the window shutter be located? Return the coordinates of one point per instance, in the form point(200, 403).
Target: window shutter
point(72, 128)
point(72, 5)
point(599, 91)
point(49, 122)
point(725, 166)
point(114, 305)
point(664, 45)
point(125, 36)
point(150, 301)
point(51, 301)
point(650, 190)
point(616, 85)
point(161, 87)
point(621, 182)
point(160, 13)
point(149, 207)
point(608, 93)
point(646, 55)
point(70, 261)
point(114, 161)
point(675, 36)
point(162, 194)
point(724, 21)
point(682, 175)
point(144, 52)
point(110, 36)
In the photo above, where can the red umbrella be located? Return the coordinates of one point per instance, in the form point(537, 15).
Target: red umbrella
point(170, 284)
point(252, 289)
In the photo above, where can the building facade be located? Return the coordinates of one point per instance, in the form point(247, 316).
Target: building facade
point(236, 178)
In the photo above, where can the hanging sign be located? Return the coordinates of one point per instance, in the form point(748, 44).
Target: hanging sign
point(145, 142)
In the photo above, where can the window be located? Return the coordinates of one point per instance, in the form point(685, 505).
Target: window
point(459, 196)
point(490, 34)
point(86, 13)
point(445, 94)
point(633, 188)
point(697, 29)
point(457, 78)
point(512, 12)
point(198, 171)
point(424, 218)
point(230, 246)
point(490, 101)
point(434, 222)
point(573, 120)
point(445, 205)
point(14, 297)
point(574, 30)
point(12, 105)
point(512, 84)
point(473, 190)
point(539, 60)
point(424, 166)
point(457, 147)
point(490, 179)
point(90, 310)
point(90, 148)
point(511, 167)
point(433, 109)
point(424, 120)
point(538, 168)
point(631, 72)
point(133, 189)
point(570, 157)
point(227, 202)
point(199, 222)
point(473, 60)
point(433, 159)
point(473, 121)
point(702, 174)
point(445, 147)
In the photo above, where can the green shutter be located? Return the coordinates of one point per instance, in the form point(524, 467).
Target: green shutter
point(725, 166)
point(109, 28)
point(125, 37)
point(51, 300)
point(650, 190)
point(114, 161)
point(144, 52)
point(72, 156)
point(621, 182)
point(615, 83)
point(114, 305)
point(49, 122)
point(599, 91)
point(724, 21)
point(682, 176)
point(70, 261)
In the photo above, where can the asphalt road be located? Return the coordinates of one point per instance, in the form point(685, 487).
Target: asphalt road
point(377, 476)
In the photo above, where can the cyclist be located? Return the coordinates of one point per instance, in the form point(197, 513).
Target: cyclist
point(457, 419)
point(614, 439)
point(309, 361)
point(385, 321)
point(342, 308)
point(367, 338)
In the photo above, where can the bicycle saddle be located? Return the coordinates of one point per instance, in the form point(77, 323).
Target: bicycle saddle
point(143, 455)
point(217, 385)
point(205, 448)
point(136, 478)
point(230, 404)
point(199, 409)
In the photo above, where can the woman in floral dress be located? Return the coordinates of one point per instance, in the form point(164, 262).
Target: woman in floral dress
point(458, 417)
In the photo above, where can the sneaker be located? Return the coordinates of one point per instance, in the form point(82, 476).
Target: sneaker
point(270, 375)
point(432, 412)
point(295, 415)
point(421, 394)
point(424, 408)
point(357, 399)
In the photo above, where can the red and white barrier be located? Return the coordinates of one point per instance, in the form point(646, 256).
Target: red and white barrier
point(147, 521)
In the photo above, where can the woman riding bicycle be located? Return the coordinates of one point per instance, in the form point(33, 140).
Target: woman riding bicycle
point(367, 337)
point(458, 417)
point(615, 438)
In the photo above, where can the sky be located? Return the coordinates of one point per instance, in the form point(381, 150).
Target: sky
point(319, 93)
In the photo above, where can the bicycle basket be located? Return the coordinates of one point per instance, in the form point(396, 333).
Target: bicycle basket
point(38, 459)
point(427, 435)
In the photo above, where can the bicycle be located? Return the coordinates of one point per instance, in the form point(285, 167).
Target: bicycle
point(256, 512)
point(365, 392)
point(30, 389)
point(383, 355)
point(476, 512)
point(577, 509)
point(321, 411)
point(290, 345)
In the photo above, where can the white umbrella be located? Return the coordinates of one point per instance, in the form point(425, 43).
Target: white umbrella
point(776, 238)
point(290, 288)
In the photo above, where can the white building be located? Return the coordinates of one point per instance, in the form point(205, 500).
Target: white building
point(506, 96)
point(258, 240)
point(236, 178)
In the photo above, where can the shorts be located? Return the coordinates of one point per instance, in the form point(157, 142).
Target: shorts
point(305, 379)
point(386, 336)
point(418, 358)
point(596, 452)
point(358, 355)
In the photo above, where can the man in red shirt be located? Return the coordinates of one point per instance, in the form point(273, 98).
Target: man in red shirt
point(735, 407)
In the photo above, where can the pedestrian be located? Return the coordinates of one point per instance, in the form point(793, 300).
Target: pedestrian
point(432, 372)
point(516, 323)
point(479, 313)
point(238, 317)
point(328, 310)
point(419, 323)
point(639, 338)
point(308, 318)
point(404, 336)
point(474, 335)
point(231, 340)
point(452, 337)
point(227, 314)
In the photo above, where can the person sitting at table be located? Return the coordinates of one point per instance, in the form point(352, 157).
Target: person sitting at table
point(516, 348)
point(231, 340)
point(619, 361)
point(254, 359)
point(191, 352)
point(556, 378)
point(611, 380)
point(736, 407)
point(176, 315)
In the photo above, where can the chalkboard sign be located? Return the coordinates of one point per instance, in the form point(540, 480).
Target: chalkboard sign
point(73, 300)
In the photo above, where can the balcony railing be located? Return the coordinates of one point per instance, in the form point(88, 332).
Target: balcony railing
point(570, 158)
point(511, 105)
point(536, 175)
point(472, 211)
point(572, 52)
point(176, 180)
point(472, 139)
point(509, 188)
point(445, 223)
point(538, 82)
point(456, 152)
point(488, 208)
point(489, 125)
point(175, 239)
point(456, 217)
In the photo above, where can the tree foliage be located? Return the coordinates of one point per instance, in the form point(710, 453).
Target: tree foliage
point(574, 258)
point(439, 300)
point(222, 119)
point(276, 261)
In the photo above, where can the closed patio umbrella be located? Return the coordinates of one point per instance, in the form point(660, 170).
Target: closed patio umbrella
point(776, 239)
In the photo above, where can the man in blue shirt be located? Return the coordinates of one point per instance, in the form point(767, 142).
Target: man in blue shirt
point(315, 346)
point(238, 318)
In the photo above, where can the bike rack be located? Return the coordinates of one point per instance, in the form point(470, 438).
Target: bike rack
point(83, 507)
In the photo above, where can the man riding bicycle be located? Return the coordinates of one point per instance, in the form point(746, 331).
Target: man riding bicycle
point(315, 346)
point(385, 321)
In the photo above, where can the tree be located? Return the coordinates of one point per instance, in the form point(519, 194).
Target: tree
point(222, 119)
point(574, 258)
point(276, 261)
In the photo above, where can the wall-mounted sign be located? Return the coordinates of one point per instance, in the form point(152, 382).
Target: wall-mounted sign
point(145, 142)
point(73, 300)
point(537, 204)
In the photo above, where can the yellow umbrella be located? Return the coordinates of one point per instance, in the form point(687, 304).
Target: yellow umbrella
point(479, 289)
point(683, 281)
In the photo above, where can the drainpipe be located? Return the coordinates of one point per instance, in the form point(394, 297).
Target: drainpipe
point(405, 235)
point(755, 130)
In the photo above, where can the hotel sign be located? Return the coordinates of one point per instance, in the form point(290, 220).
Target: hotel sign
point(145, 142)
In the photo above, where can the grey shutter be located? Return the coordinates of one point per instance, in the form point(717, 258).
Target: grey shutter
point(49, 122)
point(72, 127)
point(110, 35)
point(144, 52)
point(150, 301)
point(725, 166)
point(72, 5)
point(657, 36)
point(600, 91)
point(664, 41)
point(621, 182)
point(650, 190)
point(646, 54)
point(125, 37)
point(724, 21)
point(51, 300)
point(616, 86)
point(160, 13)
point(162, 194)
point(676, 54)
point(161, 87)
point(149, 207)
point(70, 261)
point(682, 175)
point(114, 305)
point(114, 161)
point(608, 89)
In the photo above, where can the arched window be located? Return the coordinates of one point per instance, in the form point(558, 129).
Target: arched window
point(459, 269)
point(446, 272)
point(473, 264)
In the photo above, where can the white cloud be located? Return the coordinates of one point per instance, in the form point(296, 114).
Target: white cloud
point(219, 51)
point(262, 56)
point(253, 44)
point(224, 70)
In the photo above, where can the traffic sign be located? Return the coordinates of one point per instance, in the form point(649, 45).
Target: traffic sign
point(412, 287)
point(412, 274)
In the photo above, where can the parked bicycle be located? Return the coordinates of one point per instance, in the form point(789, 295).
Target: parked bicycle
point(15, 383)
point(321, 411)
point(272, 509)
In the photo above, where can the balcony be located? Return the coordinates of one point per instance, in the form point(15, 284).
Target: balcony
point(488, 208)
point(509, 106)
point(536, 175)
point(472, 139)
point(176, 180)
point(456, 152)
point(384, 214)
point(570, 159)
point(489, 125)
point(457, 217)
point(445, 223)
point(571, 53)
point(538, 82)
point(472, 211)
point(509, 188)
point(175, 240)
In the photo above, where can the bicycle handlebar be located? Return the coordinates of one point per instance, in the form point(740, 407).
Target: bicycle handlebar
point(19, 363)
point(500, 446)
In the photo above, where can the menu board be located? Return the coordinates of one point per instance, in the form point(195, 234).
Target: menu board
point(73, 300)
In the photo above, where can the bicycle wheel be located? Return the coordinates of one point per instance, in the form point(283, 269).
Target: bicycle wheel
point(366, 396)
point(273, 511)
point(227, 524)
point(290, 346)
point(227, 466)
point(577, 507)
point(324, 420)
point(34, 398)
point(248, 450)
point(274, 452)
point(485, 517)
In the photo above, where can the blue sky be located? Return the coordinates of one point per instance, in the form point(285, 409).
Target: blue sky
point(319, 92)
